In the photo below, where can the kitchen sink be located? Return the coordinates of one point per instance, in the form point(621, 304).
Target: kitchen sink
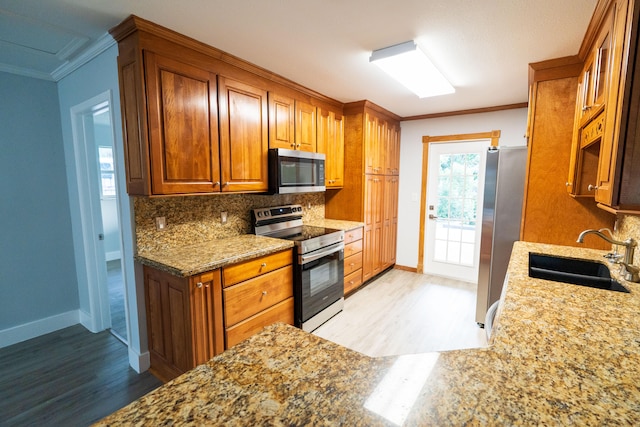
point(576, 271)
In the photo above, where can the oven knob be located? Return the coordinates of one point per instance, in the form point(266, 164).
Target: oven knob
point(259, 213)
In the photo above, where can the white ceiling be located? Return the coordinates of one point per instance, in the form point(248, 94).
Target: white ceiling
point(482, 47)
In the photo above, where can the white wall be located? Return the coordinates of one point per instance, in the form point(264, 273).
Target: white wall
point(511, 123)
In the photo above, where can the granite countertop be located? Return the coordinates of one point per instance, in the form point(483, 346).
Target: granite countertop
point(200, 257)
point(338, 224)
point(560, 354)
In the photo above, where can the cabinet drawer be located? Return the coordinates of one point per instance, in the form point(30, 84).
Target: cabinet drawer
point(254, 295)
point(352, 248)
point(246, 270)
point(352, 263)
point(352, 281)
point(352, 235)
point(282, 312)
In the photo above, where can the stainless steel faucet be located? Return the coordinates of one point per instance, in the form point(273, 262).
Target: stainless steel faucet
point(630, 271)
point(629, 244)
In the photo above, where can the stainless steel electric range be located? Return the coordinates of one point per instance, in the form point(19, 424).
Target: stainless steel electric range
point(318, 262)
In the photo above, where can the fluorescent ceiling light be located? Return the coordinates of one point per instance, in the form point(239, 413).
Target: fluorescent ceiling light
point(406, 63)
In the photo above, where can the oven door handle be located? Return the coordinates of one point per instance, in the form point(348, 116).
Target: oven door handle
point(328, 251)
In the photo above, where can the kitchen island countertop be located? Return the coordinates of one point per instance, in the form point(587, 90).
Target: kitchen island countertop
point(560, 354)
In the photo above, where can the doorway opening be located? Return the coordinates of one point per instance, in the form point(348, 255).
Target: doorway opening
point(450, 209)
point(92, 124)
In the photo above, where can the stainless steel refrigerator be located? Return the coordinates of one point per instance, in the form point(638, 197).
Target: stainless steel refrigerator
point(501, 216)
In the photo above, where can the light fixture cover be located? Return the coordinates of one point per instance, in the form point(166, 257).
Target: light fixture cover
point(407, 64)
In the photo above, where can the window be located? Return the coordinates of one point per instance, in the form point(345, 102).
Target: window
point(107, 172)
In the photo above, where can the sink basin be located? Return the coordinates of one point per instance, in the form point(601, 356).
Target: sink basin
point(573, 270)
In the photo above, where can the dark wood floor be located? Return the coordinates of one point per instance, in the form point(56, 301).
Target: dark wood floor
point(71, 377)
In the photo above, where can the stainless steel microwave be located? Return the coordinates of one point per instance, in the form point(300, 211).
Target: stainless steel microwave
point(293, 171)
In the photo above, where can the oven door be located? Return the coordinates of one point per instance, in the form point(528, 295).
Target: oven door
point(320, 281)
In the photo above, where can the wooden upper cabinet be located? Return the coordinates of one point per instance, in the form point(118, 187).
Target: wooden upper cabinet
point(598, 78)
point(331, 142)
point(187, 130)
point(377, 145)
point(183, 126)
point(596, 75)
point(305, 126)
point(392, 150)
point(292, 123)
point(372, 142)
point(244, 140)
point(281, 121)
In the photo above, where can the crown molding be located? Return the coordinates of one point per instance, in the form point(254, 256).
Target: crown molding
point(12, 69)
point(102, 44)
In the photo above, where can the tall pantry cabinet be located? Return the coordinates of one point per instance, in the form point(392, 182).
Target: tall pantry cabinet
point(370, 190)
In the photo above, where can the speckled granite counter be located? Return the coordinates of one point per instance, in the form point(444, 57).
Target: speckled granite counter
point(338, 224)
point(201, 257)
point(560, 355)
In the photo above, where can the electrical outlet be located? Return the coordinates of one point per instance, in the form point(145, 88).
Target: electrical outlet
point(161, 223)
point(223, 217)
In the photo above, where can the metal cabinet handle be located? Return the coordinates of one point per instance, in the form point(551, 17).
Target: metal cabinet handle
point(264, 264)
point(297, 145)
point(215, 184)
point(264, 292)
point(293, 145)
point(199, 284)
point(567, 184)
point(432, 216)
point(592, 187)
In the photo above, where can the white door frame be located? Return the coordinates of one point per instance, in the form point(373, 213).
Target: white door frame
point(98, 318)
point(494, 136)
point(466, 273)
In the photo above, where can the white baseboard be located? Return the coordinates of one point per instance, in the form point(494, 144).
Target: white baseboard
point(111, 256)
point(139, 362)
point(36, 328)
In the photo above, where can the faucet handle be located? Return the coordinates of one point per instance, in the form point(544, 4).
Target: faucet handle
point(631, 272)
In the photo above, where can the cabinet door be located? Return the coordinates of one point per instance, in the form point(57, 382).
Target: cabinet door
point(610, 160)
point(371, 144)
point(373, 217)
point(244, 141)
point(390, 220)
point(168, 323)
point(305, 127)
point(392, 150)
point(206, 316)
point(183, 127)
point(331, 143)
point(281, 121)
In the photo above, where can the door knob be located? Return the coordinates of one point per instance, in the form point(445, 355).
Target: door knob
point(432, 216)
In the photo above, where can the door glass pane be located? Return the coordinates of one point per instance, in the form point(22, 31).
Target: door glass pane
point(457, 208)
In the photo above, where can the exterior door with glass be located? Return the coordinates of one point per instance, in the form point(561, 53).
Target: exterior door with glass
point(455, 183)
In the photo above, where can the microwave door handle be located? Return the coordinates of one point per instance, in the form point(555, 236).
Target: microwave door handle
point(308, 258)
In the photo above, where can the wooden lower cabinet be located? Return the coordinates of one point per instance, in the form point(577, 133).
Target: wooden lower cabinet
point(353, 258)
point(256, 294)
point(184, 320)
point(191, 319)
point(281, 312)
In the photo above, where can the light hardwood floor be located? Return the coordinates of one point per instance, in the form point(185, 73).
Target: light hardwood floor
point(406, 313)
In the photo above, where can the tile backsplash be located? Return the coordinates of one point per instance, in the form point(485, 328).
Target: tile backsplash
point(629, 226)
point(196, 219)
